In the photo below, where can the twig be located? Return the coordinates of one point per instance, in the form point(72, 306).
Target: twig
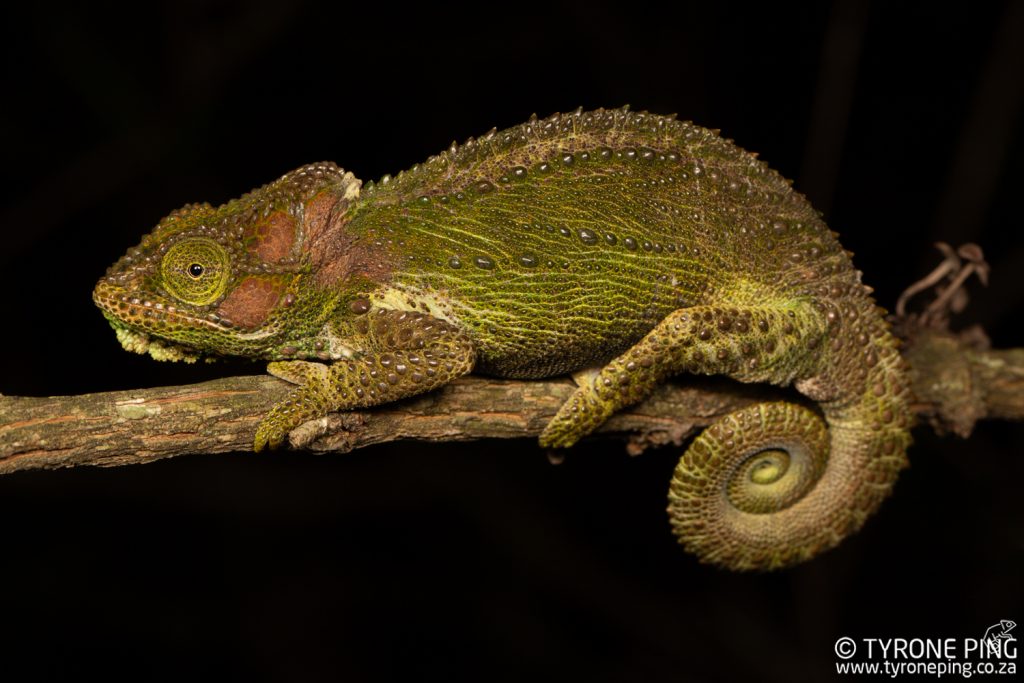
point(956, 379)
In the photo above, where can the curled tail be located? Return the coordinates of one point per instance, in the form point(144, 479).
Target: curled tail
point(770, 486)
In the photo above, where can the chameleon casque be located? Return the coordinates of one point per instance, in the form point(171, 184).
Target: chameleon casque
point(624, 246)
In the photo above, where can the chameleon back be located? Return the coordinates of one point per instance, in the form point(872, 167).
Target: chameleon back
point(560, 243)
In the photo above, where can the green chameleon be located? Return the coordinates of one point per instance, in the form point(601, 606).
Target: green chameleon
point(623, 246)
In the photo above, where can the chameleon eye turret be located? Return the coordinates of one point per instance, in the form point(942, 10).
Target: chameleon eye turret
point(625, 244)
point(196, 271)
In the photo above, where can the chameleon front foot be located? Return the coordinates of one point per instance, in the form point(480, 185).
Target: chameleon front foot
point(311, 399)
point(409, 354)
point(271, 433)
point(267, 437)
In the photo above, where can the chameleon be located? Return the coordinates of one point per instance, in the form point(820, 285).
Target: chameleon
point(625, 247)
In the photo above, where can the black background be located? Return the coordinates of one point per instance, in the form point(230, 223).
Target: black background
point(902, 121)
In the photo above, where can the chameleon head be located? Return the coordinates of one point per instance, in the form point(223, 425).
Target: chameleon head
point(228, 280)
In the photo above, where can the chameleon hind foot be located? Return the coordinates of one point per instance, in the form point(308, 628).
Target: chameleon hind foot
point(751, 344)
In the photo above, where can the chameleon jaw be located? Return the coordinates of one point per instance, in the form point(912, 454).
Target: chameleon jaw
point(131, 337)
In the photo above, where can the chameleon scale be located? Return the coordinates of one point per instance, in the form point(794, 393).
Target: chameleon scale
point(624, 243)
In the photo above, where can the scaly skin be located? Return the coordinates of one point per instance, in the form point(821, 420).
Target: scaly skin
point(627, 243)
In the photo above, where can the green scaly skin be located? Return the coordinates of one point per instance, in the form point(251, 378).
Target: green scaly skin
point(629, 244)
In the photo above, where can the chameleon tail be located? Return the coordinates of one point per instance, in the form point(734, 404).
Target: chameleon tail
point(769, 486)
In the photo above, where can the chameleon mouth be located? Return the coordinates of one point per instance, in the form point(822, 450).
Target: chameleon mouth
point(141, 324)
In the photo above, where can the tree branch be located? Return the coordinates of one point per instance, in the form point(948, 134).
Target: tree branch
point(956, 379)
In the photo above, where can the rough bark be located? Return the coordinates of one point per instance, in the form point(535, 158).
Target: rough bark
point(957, 381)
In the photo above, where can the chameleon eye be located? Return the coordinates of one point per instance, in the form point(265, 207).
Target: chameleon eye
point(196, 271)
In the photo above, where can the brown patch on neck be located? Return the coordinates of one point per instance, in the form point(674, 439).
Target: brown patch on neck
point(335, 253)
point(272, 238)
point(318, 213)
point(251, 302)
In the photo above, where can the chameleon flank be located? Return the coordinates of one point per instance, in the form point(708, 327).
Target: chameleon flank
point(625, 247)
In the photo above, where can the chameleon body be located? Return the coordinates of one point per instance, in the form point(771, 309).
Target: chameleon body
point(625, 247)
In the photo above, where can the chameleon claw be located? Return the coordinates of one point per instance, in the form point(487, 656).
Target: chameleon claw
point(267, 437)
point(559, 433)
